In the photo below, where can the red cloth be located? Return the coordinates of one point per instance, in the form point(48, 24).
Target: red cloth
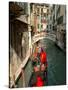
point(39, 81)
point(43, 57)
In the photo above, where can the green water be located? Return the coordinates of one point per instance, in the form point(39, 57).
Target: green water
point(56, 63)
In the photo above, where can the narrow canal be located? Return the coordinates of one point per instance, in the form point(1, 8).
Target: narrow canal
point(56, 63)
point(56, 59)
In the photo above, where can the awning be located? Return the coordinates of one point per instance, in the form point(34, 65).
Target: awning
point(23, 18)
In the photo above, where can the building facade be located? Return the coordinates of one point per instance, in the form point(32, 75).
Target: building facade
point(20, 43)
point(59, 25)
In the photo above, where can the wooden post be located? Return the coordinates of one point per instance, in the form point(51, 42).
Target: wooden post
point(14, 79)
point(23, 76)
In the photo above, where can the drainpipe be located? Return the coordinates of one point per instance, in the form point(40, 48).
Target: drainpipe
point(29, 29)
point(40, 19)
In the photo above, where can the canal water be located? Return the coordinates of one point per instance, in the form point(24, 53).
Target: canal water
point(56, 63)
point(56, 59)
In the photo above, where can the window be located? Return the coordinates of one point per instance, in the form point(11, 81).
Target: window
point(38, 26)
point(60, 20)
point(41, 26)
point(47, 26)
point(50, 26)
